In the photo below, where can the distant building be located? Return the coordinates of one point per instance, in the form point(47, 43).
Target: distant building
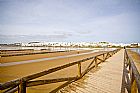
point(134, 45)
point(35, 44)
point(18, 44)
point(103, 44)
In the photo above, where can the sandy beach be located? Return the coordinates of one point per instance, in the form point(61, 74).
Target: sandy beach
point(38, 56)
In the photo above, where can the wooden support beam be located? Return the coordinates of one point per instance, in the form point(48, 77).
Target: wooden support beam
point(88, 68)
point(103, 57)
point(100, 59)
point(96, 64)
point(11, 90)
point(49, 81)
point(106, 56)
point(79, 69)
point(22, 86)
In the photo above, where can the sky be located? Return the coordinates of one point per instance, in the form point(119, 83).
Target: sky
point(116, 21)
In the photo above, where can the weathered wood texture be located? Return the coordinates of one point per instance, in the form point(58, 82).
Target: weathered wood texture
point(131, 76)
point(106, 78)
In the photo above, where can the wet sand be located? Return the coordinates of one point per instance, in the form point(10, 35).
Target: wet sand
point(38, 56)
point(18, 71)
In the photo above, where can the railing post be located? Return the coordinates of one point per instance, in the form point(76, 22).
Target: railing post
point(111, 54)
point(79, 69)
point(103, 57)
point(96, 62)
point(18, 88)
point(22, 86)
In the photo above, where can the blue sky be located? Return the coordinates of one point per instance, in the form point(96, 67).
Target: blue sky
point(69, 20)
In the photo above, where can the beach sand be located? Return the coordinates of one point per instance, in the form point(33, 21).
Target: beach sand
point(38, 56)
point(18, 71)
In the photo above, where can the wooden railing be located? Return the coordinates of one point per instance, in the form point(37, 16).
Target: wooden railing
point(20, 85)
point(131, 76)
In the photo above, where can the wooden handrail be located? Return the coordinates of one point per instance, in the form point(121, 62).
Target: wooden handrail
point(25, 81)
point(131, 76)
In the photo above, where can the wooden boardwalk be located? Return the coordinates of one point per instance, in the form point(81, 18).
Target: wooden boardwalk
point(106, 78)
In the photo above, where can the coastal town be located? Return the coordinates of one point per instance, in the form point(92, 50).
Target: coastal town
point(75, 44)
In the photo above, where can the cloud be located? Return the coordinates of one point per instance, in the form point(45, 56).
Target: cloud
point(28, 38)
point(69, 20)
point(84, 32)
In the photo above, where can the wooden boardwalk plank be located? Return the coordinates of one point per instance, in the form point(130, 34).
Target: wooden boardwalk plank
point(107, 79)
